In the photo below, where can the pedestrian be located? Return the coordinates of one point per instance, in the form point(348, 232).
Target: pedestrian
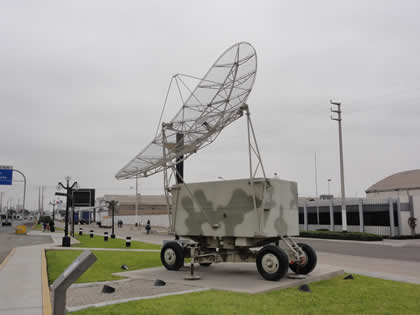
point(148, 227)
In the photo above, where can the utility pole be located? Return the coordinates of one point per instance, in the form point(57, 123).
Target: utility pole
point(39, 200)
point(337, 110)
point(42, 198)
point(316, 179)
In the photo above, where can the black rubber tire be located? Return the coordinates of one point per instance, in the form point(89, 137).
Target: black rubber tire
point(283, 261)
point(310, 263)
point(205, 264)
point(179, 256)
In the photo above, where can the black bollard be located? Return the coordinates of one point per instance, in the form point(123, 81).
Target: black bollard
point(105, 236)
point(91, 233)
point(128, 241)
point(80, 231)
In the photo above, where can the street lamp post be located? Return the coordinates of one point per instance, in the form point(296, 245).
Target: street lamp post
point(53, 204)
point(69, 194)
point(24, 188)
point(137, 211)
point(329, 181)
point(112, 204)
point(343, 192)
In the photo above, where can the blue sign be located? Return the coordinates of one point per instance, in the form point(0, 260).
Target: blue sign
point(6, 176)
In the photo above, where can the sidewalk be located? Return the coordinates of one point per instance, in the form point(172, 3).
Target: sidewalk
point(20, 282)
point(389, 269)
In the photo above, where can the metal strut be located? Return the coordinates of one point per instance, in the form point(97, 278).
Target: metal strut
point(253, 150)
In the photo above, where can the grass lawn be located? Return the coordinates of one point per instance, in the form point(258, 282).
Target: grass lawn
point(108, 262)
point(363, 295)
point(98, 242)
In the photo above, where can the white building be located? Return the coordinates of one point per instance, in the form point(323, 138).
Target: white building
point(404, 186)
point(152, 207)
point(386, 209)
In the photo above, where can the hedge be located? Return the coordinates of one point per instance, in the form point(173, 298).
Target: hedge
point(354, 236)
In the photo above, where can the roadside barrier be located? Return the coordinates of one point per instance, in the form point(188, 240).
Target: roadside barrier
point(21, 229)
point(105, 236)
point(128, 241)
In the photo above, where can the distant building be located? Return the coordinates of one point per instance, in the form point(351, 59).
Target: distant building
point(385, 210)
point(402, 185)
point(153, 207)
point(377, 216)
point(405, 186)
point(145, 204)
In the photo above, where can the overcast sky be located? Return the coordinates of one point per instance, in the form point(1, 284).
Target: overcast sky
point(82, 85)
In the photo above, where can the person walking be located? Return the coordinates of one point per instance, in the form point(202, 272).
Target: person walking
point(148, 227)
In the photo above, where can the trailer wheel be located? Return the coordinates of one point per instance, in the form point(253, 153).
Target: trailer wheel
point(172, 256)
point(272, 263)
point(310, 262)
point(205, 264)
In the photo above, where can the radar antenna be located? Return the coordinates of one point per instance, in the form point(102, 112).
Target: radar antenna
point(217, 100)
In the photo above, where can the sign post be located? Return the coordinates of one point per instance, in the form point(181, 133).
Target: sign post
point(6, 178)
point(6, 175)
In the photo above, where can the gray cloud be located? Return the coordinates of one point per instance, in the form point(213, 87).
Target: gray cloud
point(82, 84)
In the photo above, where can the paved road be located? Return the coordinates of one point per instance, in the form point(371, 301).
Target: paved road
point(362, 249)
point(9, 239)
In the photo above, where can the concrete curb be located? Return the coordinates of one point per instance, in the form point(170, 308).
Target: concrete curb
point(385, 242)
point(340, 241)
point(11, 253)
point(46, 298)
point(78, 308)
point(93, 284)
point(106, 249)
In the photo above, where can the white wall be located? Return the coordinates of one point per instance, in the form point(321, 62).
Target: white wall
point(405, 228)
point(403, 195)
point(155, 219)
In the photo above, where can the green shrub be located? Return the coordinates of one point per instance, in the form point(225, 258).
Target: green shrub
point(354, 236)
point(45, 218)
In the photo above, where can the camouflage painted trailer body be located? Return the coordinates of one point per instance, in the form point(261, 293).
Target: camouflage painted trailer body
point(225, 209)
point(244, 220)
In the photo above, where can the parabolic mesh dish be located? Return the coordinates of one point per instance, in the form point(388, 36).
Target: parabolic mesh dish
point(213, 104)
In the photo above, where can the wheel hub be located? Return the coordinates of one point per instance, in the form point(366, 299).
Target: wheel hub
point(270, 263)
point(303, 260)
point(170, 256)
